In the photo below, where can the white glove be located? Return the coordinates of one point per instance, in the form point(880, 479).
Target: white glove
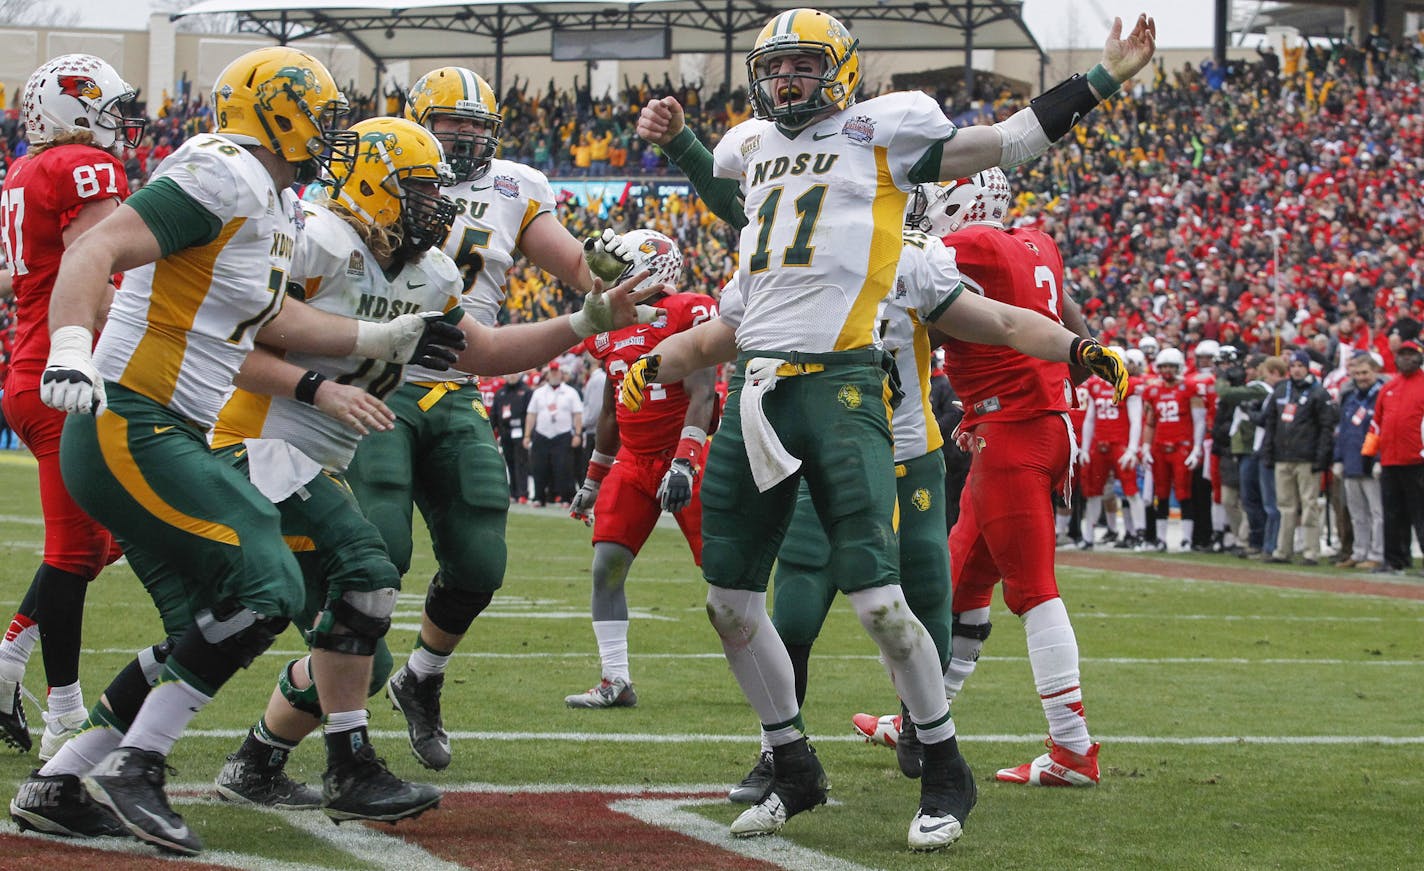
point(422, 338)
point(1337, 470)
point(1375, 472)
point(1194, 458)
point(1146, 455)
point(596, 316)
point(70, 382)
point(608, 255)
point(581, 506)
point(1084, 456)
point(1129, 459)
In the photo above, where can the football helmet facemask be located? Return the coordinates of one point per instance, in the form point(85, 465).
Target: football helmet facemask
point(803, 32)
point(377, 188)
point(459, 93)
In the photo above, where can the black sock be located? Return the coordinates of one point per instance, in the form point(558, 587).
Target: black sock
point(59, 602)
point(126, 692)
point(800, 657)
point(344, 746)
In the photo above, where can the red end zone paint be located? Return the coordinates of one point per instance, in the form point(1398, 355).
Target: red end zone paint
point(529, 831)
point(1169, 568)
point(20, 851)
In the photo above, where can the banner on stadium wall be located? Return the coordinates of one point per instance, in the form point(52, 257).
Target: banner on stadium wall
point(609, 192)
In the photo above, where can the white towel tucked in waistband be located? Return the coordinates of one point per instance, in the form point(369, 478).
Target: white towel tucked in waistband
point(277, 469)
point(770, 461)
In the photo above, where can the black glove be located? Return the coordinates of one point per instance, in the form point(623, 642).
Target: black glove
point(676, 489)
point(440, 344)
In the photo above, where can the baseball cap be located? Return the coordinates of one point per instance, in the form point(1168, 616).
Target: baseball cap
point(1411, 346)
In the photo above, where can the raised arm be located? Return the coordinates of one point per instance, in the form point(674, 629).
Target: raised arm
point(661, 123)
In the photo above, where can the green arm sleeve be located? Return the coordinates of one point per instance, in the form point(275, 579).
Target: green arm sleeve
point(176, 219)
point(723, 196)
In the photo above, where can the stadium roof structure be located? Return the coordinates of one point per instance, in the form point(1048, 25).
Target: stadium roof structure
point(385, 30)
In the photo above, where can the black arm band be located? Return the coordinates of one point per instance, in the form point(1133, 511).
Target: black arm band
point(1075, 350)
point(1061, 106)
point(306, 388)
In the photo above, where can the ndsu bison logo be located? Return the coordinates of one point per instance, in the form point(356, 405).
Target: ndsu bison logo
point(295, 82)
point(79, 87)
point(376, 145)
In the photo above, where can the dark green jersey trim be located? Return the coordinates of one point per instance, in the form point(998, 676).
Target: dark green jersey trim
point(926, 169)
point(176, 220)
point(945, 303)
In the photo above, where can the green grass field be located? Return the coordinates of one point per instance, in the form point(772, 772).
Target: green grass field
point(1242, 726)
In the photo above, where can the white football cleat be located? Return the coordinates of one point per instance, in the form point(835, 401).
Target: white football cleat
point(929, 832)
point(764, 818)
point(883, 731)
point(1058, 767)
point(59, 729)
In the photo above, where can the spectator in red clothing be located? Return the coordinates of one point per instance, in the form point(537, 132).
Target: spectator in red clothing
point(1399, 414)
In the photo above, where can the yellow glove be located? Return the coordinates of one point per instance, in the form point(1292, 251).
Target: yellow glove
point(1104, 362)
point(643, 372)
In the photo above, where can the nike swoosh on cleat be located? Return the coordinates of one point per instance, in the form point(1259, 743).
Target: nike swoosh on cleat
point(179, 833)
point(934, 828)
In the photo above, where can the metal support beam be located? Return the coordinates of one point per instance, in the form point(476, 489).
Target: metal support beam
point(969, 50)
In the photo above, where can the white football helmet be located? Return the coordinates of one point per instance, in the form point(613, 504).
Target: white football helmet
point(1148, 346)
point(940, 209)
point(1136, 361)
point(654, 252)
point(1207, 348)
point(1168, 357)
point(80, 92)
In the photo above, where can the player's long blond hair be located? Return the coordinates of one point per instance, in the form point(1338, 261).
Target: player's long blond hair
point(380, 241)
point(70, 137)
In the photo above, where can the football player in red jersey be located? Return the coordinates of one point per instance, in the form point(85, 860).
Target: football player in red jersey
point(1112, 440)
point(644, 463)
point(1209, 517)
point(1172, 444)
point(1016, 427)
point(73, 109)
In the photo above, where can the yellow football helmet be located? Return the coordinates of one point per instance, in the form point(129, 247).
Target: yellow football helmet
point(286, 101)
point(459, 93)
point(804, 31)
point(391, 153)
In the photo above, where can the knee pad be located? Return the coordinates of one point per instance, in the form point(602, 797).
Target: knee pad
point(365, 617)
point(977, 631)
point(151, 659)
point(451, 609)
point(736, 614)
point(305, 700)
point(239, 632)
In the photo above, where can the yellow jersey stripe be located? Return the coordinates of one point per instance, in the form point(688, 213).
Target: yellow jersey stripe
point(242, 417)
point(181, 283)
point(886, 243)
point(113, 432)
point(530, 213)
point(933, 440)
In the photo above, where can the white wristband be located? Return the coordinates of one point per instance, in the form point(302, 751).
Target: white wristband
point(695, 432)
point(601, 458)
point(71, 339)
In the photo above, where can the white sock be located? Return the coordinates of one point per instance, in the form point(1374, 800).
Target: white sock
point(424, 663)
point(65, 701)
point(757, 657)
point(1060, 523)
point(964, 653)
point(612, 638)
point(346, 721)
point(15, 649)
point(80, 754)
point(1053, 655)
point(910, 655)
point(1218, 516)
point(1090, 518)
point(1137, 506)
point(1188, 527)
point(167, 711)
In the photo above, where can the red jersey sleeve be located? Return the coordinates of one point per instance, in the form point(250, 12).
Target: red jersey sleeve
point(78, 175)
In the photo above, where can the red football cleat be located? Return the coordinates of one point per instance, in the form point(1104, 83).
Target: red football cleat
point(1057, 767)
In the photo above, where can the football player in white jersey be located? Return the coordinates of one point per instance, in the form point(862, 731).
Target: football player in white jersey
point(927, 290)
point(442, 455)
point(207, 248)
point(366, 254)
point(818, 186)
